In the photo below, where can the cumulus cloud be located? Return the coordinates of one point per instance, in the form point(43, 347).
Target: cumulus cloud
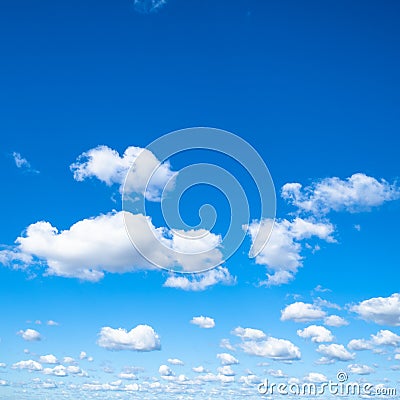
point(200, 281)
point(386, 338)
point(140, 338)
point(227, 359)
point(360, 369)
point(108, 166)
point(381, 310)
point(335, 320)
point(357, 193)
point(203, 322)
point(164, 370)
point(30, 365)
point(302, 312)
point(175, 361)
point(335, 352)
point(249, 333)
point(360, 344)
point(315, 377)
point(226, 370)
point(316, 333)
point(30, 335)
point(276, 349)
point(58, 370)
point(48, 359)
point(282, 253)
point(199, 370)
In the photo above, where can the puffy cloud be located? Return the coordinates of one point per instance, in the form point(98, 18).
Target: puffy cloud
point(140, 338)
point(249, 333)
point(97, 245)
point(276, 349)
point(335, 352)
point(128, 376)
point(316, 333)
point(360, 369)
point(381, 310)
point(302, 312)
point(201, 281)
point(227, 359)
point(335, 320)
point(226, 370)
point(164, 370)
point(29, 365)
point(360, 344)
point(58, 370)
point(109, 167)
point(203, 322)
point(315, 377)
point(175, 361)
point(200, 369)
point(386, 338)
point(52, 323)
point(68, 360)
point(357, 193)
point(48, 359)
point(277, 373)
point(282, 253)
point(226, 344)
point(30, 335)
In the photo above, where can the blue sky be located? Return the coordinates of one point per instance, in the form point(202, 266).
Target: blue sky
point(313, 87)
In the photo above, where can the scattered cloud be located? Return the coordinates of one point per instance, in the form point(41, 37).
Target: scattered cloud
point(140, 338)
point(335, 352)
point(22, 163)
point(227, 359)
point(276, 349)
point(360, 344)
point(316, 333)
point(381, 310)
point(203, 322)
point(315, 377)
point(30, 335)
point(302, 312)
point(175, 361)
point(335, 320)
point(360, 369)
point(164, 370)
point(249, 333)
point(386, 338)
point(48, 359)
point(148, 6)
point(30, 365)
point(282, 253)
point(357, 193)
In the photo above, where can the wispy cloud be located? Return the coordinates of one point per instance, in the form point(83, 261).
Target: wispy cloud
point(22, 163)
point(148, 6)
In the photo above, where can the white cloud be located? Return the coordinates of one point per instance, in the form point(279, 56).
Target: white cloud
point(106, 165)
point(381, 310)
point(203, 322)
point(360, 344)
point(316, 333)
point(302, 312)
point(68, 360)
point(140, 338)
point(201, 281)
point(282, 253)
point(128, 376)
point(335, 320)
point(58, 370)
point(277, 349)
point(226, 370)
point(335, 352)
point(226, 344)
point(48, 359)
point(29, 365)
point(23, 163)
point(227, 359)
point(386, 338)
point(356, 193)
point(52, 323)
point(315, 377)
point(360, 369)
point(249, 333)
point(83, 355)
point(175, 361)
point(30, 335)
point(148, 6)
point(199, 370)
point(164, 370)
point(277, 373)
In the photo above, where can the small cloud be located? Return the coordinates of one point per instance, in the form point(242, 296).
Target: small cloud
point(52, 323)
point(148, 6)
point(30, 335)
point(22, 163)
point(203, 322)
point(357, 227)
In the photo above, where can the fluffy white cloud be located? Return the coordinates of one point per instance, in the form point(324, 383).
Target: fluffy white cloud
point(335, 320)
point(282, 253)
point(140, 338)
point(359, 192)
point(335, 352)
point(381, 310)
point(360, 369)
point(302, 312)
point(277, 349)
point(30, 335)
point(227, 359)
point(175, 361)
point(52, 323)
point(316, 333)
point(29, 365)
point(201, 281)
point(203, 322)
point(226, 344)
point(386, 338)
point(164, 370)
point(200, 369)
point(278, 373)
point(68, 360)
point(93, 246)
point(58, 370)
point(315, 377)
point(48, 359)
point(360, 344)
point(249, 333)
point(127, 375)
point(106, 165)
point(226, 370)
